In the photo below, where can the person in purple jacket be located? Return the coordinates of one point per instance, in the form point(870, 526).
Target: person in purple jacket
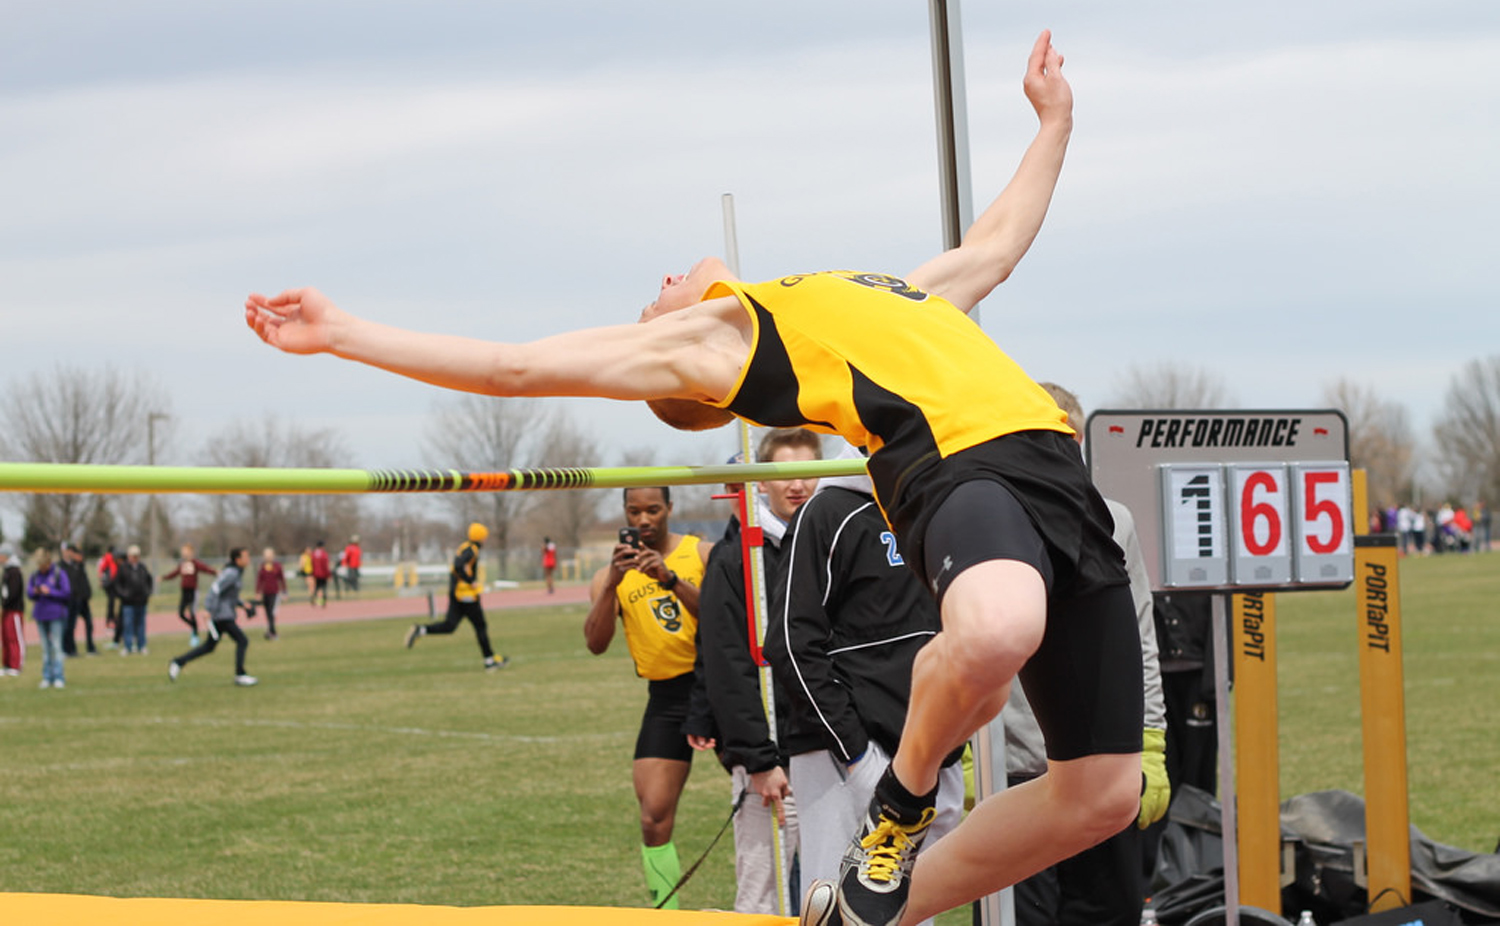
point(50, 594)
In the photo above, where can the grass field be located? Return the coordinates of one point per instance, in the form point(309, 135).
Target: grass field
point(360, 771)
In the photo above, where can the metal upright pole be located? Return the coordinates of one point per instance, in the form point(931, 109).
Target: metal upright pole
point(956, 196)
point(952, 120)
point(151, 419)
point(755, 588)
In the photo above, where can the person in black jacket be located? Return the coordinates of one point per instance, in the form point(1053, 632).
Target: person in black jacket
point(847, 620)
point(134, 585)
point(78, 607)
point(727, 712)
point(12, 612)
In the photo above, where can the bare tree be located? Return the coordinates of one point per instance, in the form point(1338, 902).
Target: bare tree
point(1166, 385)
point(484, 434)
point(571, 512)
point(286, 522)
point(1468, 431)
point(1380, 440)
point(76, 415)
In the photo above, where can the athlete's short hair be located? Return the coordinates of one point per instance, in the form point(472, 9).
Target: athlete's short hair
point(777, 438)
point(666, 493)
point(689, 415)
point(1068, 402)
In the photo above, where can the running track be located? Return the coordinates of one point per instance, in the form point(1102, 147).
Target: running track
point(298, 611)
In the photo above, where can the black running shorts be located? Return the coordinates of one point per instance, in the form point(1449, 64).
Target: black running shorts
point(661, 735)
point(1084, 681)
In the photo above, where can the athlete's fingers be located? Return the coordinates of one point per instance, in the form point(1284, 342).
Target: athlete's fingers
point(1038, 59)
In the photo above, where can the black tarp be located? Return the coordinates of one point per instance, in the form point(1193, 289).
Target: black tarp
point(1323, 827)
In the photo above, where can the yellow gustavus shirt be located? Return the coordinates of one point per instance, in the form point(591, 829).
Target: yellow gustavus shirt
point(658, 629)
point(882, 364)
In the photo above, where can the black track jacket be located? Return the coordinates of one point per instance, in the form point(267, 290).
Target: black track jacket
point(847, 618)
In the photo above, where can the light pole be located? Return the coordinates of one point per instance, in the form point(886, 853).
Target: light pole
point(151, 419)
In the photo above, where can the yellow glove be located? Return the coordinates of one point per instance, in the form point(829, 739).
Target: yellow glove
point(1156, 791)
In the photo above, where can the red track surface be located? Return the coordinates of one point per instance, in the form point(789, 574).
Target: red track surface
point(296, 610)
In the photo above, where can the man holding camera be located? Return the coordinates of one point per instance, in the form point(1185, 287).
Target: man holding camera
point(651, 586)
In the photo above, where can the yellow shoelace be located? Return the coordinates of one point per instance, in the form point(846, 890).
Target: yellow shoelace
point(887, 842)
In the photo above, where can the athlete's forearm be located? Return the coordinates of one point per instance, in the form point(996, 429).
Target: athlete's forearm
point(1006, 229)
point(599, 626)
point(453, 362)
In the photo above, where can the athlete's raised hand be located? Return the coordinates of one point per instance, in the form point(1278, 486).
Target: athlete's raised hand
point(1045, 85)
point(298, 321)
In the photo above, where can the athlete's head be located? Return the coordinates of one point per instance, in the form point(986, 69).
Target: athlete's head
point(786, 445)
point(649, 510)
point(680, 290)
point(478, 532)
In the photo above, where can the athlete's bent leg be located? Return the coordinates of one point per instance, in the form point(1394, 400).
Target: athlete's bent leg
point(994, 614)
point(1022, 830)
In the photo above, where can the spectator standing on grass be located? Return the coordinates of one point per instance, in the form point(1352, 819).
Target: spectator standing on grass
point(12, 612)
point(270, 584)
point(222, 604)
point(650, 587)
point(189, 567)
point(134, 585)
point(549, 562)
point(109, 570)
point(350, 559)
point(78, 605)
point(729, 691)
point(465, 586)
point(50, 595)
point(321, 571)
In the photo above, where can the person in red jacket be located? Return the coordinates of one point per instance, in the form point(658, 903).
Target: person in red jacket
point(321, 570)
point(549, 562)
point(270, 583)
point(350, 560)
point(187, 570)
point(109, 568)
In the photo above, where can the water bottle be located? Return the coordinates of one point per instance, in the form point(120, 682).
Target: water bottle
point(1148, 914)
point(1306, 919)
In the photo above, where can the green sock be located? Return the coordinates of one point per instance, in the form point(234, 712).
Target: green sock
point(662, 871)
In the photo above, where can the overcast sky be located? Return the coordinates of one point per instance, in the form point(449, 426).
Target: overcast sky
point(1282, 193)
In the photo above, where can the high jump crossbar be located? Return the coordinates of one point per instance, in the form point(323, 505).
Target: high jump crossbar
point(73, 478)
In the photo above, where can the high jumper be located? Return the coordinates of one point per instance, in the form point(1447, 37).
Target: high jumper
point(973, 467)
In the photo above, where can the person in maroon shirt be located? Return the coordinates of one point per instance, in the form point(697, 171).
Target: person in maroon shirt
point(270, 583)
point(321, 571)
point(188, 568)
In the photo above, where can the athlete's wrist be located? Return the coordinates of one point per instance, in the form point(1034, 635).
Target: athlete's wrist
point(670, 582)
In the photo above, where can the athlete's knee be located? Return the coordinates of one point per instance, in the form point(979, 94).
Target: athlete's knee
point(657, 825)
point(1103, 798)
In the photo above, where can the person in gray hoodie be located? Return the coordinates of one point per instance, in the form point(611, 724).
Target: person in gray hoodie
point(222, 602)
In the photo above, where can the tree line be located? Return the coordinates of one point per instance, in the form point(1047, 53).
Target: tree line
point(110, 416)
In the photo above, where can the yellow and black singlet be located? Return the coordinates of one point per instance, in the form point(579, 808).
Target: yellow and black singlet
point(884, 365)
point(658, 629)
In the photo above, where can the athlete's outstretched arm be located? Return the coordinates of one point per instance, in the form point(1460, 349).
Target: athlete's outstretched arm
point(641, 361)
point(1003, 233)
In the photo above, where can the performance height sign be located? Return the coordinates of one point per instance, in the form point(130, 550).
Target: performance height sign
point(1231, 499)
